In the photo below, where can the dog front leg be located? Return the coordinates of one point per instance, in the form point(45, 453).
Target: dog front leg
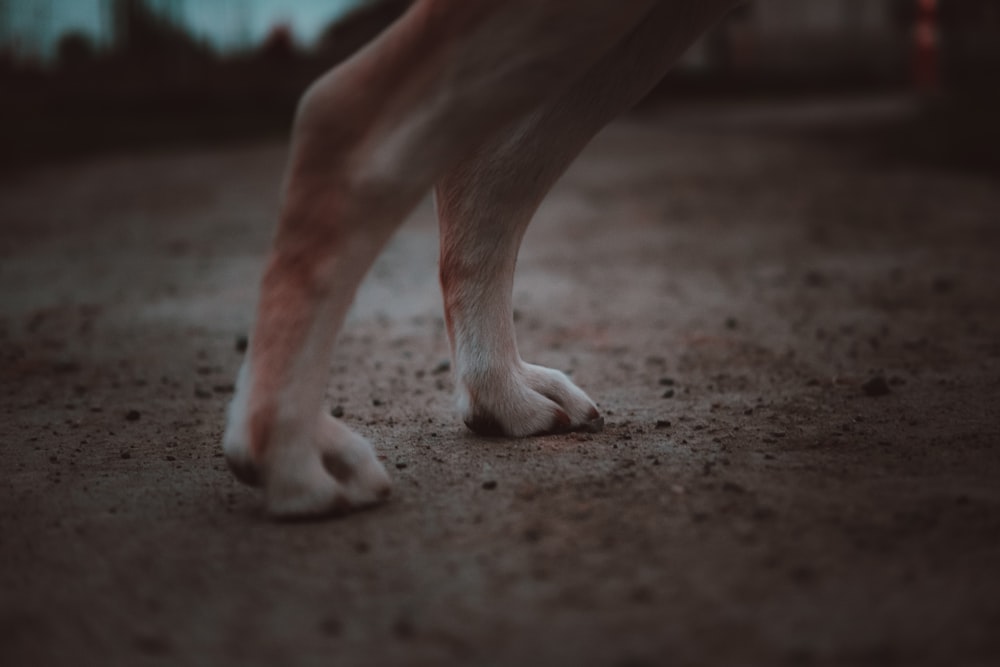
point(486, 202)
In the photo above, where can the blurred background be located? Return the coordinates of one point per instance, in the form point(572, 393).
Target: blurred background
point(85, 76)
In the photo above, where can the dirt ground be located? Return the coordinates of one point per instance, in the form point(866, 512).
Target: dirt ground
point(795, 342)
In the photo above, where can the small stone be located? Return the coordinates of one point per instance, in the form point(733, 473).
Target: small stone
point(489, 485)
point(663, 423)
point(242, 342)
point(877, 386)
point(337, 411)
point(667, 382)
point(403, 628)
point(814, 278)
point(943, 285)
point(65, 367)
point(152, 645)
point(669, 393)
point(443, 367)
point(331, 626)
point(803, 575)
point(642, 594)
point(133, 415)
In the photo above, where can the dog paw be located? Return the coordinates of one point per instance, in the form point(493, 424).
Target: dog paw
point(528, 400)
point(324, 470)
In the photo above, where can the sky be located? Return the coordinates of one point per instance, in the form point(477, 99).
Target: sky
point(35, 26)
point(228, 23)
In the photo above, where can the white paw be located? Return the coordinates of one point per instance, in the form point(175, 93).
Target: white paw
point(305, 470)
point(525, 400)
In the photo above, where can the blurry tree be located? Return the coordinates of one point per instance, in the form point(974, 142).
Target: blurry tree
point(7, 61)
point(279, 45)
point(140, 32)
point(75, 49)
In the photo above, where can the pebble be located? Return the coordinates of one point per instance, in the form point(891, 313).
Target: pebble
point(403, 628)
point(65, 367)
point(814, 278)
point(331, 626)
point(877, 386)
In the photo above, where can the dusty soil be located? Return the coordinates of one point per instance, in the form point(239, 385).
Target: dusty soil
point(796, 344)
